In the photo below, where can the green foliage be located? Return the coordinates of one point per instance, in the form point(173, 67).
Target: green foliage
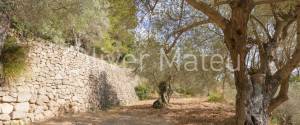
point(215, 97)
point(108, 45)
point(275, 120)
point(185, 91)
point(295, 79)
point(13, 58)
point(122, 18)
point(6, 5)
point(57, 21)
point(143, 91)
point(105, 26)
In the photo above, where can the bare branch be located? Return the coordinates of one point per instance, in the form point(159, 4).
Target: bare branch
point(219, 3)
point(286, 28)
point(153, 7)
point(212, 14)
point(281, 97)
point(180, 31)
point(262, 26)
point(148, 6)
point(169, 48)
point(269, 1)
point(190, 26)
point(295, 59)
point(262, 52)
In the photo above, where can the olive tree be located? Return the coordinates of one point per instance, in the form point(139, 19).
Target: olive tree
point(256, 85)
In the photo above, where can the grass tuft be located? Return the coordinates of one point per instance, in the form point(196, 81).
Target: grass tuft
point(13, 58)
point(215, 97)
point(143, 91)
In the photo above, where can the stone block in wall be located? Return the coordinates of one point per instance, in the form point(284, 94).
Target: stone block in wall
point(59, 76)
point(32, 100)
point(50, 96)
point(38, 117)
point(18, 122)
point(4, 117)
point(17, 115)
point(6, 108)
point(40, 102)
point(23, 97)
point(39, 109)
point(2, 94)
point(76, 99)
point(6, 123)
point(32, 108)
point(22, 107)
point(52, 104)
point(43, 98)
point(48, 114)
point(8, 99)
point(13, 94)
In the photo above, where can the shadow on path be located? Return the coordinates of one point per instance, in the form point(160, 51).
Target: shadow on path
point(180, 112)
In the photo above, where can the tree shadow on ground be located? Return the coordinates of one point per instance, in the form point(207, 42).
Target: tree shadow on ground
point(202, 113)
point(181, 112)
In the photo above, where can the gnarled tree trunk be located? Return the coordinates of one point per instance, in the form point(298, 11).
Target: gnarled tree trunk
point(256, 92)
point(165, 93)
point(252, 102)
point(252, 99)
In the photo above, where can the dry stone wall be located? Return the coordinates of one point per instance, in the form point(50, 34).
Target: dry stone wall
point(59, 80)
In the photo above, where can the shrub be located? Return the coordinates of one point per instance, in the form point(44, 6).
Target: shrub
point(185, 91)
point(13, 58)
point(215, 97)
point(275, 119)
point(143, 91)
point(295, 79)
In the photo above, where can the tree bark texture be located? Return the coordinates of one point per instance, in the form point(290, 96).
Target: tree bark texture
point(256, 91)
point(165, 93)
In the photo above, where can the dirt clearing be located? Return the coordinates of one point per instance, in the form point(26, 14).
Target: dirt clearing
point(184, 111)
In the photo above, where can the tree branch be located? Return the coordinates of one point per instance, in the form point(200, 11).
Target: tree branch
point(295, 60)
point(281, 77)
point(153, 7)
point(262, 52)
point(262, 26)
point(219, 3)
point(212, 14)
point(177, 33)
point(269, 1)
point(190, 26)
point(148, 6)
point(169, 48)
point(281, 97)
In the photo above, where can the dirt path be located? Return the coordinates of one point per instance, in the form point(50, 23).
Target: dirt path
point(188, 111)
